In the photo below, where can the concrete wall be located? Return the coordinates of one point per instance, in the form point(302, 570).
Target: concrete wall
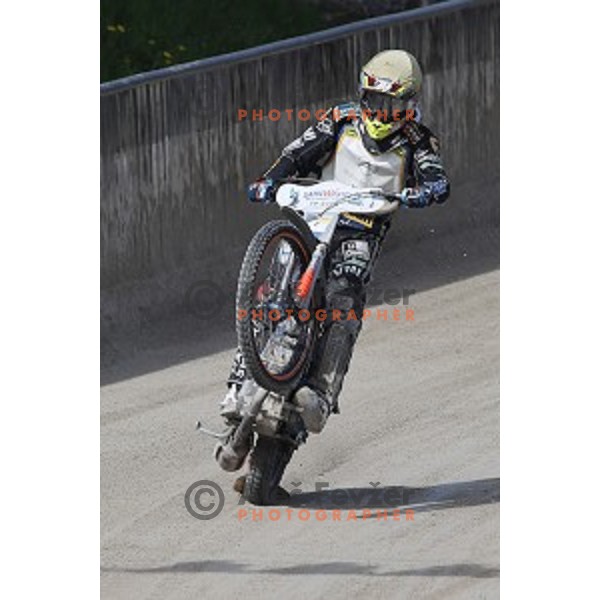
point(175, 160)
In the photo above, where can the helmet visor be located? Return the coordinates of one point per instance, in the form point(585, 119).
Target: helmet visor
point(383, 107)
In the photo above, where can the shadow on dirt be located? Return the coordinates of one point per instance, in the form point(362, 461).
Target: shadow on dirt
point(423, 499)
point(328, 568)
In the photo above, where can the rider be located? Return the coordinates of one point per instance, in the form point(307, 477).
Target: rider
point(377, 142)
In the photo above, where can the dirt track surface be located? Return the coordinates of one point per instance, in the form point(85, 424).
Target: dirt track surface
point(420, 415)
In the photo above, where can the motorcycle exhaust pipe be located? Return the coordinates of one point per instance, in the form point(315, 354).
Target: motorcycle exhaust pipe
point(232, 455)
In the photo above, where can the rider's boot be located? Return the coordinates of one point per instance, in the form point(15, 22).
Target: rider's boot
point(319, 398)
point(230, 406)
point(315, 408)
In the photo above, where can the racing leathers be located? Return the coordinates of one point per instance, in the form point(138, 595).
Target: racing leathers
point(339, 148)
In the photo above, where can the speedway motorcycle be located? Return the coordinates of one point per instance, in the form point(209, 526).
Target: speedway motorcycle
point(280, 291)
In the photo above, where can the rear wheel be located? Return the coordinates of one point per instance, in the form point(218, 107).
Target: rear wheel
point(275, 341)
point(267, 464)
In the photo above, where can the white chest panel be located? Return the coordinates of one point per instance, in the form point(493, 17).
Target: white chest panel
point(354, 165)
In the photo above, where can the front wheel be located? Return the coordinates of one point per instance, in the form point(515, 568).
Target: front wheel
point(275, 342)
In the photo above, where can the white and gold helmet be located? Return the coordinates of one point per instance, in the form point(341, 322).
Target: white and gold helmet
point(389, 85)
